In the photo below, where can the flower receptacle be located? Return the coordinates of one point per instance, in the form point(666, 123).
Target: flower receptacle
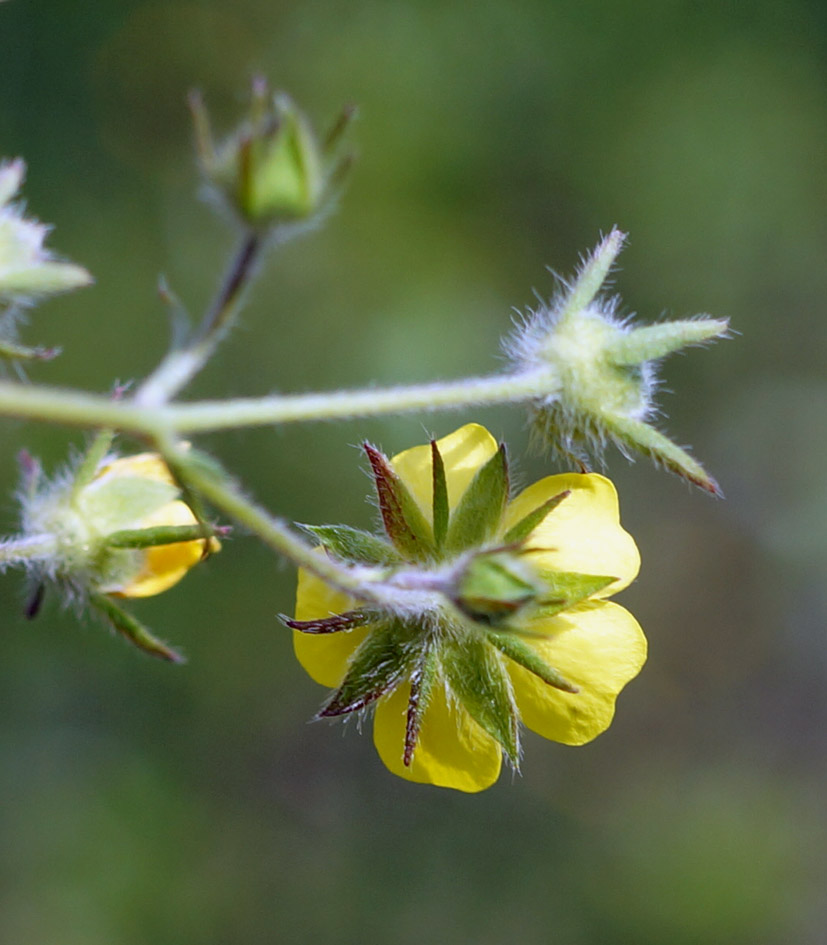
point(606, 370)
point(494, 585)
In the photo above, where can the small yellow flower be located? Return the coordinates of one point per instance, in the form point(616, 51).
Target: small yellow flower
point(118, 528)
point(158, 567)
point(111, 527)
point(451, 733)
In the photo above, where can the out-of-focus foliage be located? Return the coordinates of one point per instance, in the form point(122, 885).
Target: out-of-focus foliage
point(144, 803)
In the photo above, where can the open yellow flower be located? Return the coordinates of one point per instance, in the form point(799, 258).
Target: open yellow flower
point(520, 629)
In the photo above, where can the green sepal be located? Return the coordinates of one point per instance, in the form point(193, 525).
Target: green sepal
point(352, 544)
point(378, 664)
point(92, 459)
point(520, 532)
point(133, 630)
point(404, 522)
point(441, 511)
point(650, 342)
point(494, 585)
point(516, 649)
point(637, 435)
point(564, 589)
point(591, 276)
point(477, 517)
point(422, 679)
point(44, 278)
point(159, 535)
point(475, 672)
point(338, 129)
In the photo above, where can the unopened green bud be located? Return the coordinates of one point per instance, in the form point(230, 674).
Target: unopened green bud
point(272, 170)
point(605, 370)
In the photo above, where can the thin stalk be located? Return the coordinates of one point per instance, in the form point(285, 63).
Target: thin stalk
point(179, 366)
point(20, 550)
point(76, 408)
point(360, 583)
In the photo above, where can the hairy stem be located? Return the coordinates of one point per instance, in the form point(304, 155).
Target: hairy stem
point(90, 410)
point(20, 550)
point(360, 583)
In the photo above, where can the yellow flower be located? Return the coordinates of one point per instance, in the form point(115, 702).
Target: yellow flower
point(159, 567)
point(107, 528)
point(586, 646)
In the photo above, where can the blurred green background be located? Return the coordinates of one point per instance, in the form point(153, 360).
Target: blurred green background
point(147, 804)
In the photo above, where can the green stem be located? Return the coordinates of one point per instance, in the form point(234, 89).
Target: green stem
point(89, 410)
point(179, 367)
point(360, 583)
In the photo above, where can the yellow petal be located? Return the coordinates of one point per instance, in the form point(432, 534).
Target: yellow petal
point(463, 452)
point(141, 465)
point(324, 656)
point(583, 533)
point(452, 751)
point(597, 646)
point(164, 565)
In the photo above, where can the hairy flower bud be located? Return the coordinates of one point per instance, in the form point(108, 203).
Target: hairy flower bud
point(110, 531)
point(113, 527)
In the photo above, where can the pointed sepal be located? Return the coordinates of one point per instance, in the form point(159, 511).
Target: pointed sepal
point(477, 517)
point(519, 533)
point(651, 342)
point(336, 623)
point(640, 436)
point(377, 666)
point(422, 678)
point(563, 589)
point(591, 276)
point(133, 630)
point(11, 351)
point(353, 544)
point(159, 535)
point(440, 508)
point(404, 522)
point(511, 645)
point(476, 675)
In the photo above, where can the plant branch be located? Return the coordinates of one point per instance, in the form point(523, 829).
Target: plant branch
point(20, 550)
point(182, 364)
point(365, 584)
point(77, 408)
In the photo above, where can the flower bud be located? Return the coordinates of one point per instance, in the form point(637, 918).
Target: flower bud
point(110, 528)
point(124, 532)
point(272, 170)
